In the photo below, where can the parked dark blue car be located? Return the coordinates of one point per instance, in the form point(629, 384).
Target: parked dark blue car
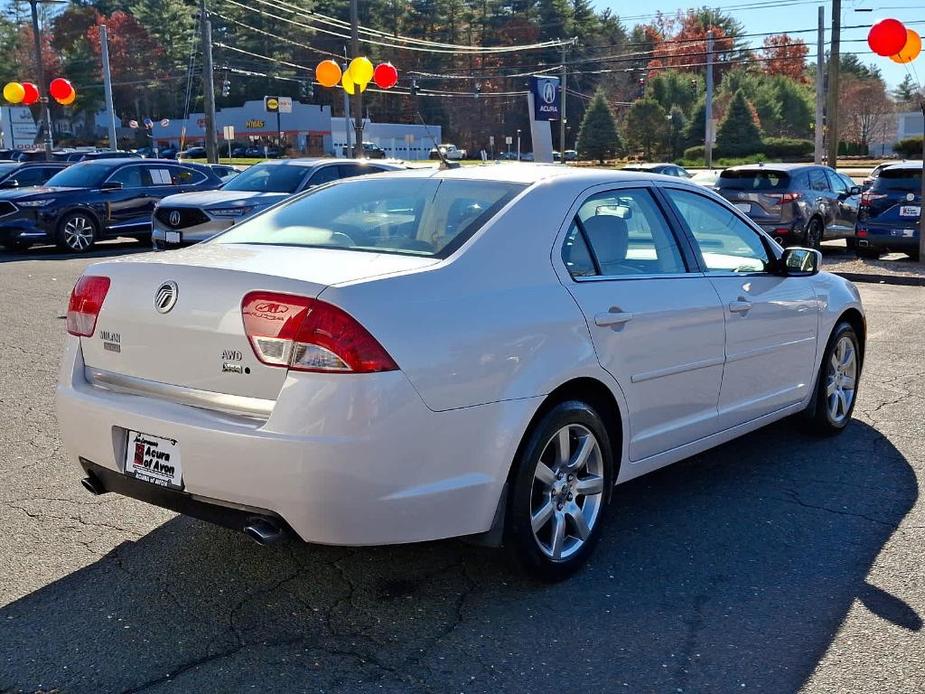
point(14, 174)
point(93, 200)
point(888, 219)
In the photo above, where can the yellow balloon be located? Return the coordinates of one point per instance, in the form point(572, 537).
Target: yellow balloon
point(68, 100)
point(347, 82)
point(911, 50)
point(328, 73)
point(362, 71)
point(14, 92)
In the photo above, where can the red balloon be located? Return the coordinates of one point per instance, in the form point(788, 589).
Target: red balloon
point(61, 88)
point(887, 37)
point(385, 76)
point(31, 93)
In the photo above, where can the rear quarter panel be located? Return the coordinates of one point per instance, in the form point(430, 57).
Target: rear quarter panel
point(491, 323)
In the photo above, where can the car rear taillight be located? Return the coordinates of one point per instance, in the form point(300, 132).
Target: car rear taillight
point(309, 335)
point(867, 197)
point(84, 306)
point(789, 197)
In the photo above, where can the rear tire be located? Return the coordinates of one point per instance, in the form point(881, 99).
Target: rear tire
point(830, 410)
point(77, 232)
point(561, 483)
point(814, 233)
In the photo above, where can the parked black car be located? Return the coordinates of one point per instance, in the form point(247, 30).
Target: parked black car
point(889, 216)
point(14, 174)
point(193, 153)
point(96, 199)
point(797, 204)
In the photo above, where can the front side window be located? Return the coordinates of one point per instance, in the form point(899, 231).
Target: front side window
point(181, 176)
point(621, 233)
point(817, 180)
point(413, 216)
point(726, 243)
point(129, 177)
point(837, 183)
point(325, 174)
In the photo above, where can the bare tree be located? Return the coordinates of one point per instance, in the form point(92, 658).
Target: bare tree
point(864, 108)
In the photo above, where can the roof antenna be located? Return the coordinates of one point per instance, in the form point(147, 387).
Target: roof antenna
point(444, 162)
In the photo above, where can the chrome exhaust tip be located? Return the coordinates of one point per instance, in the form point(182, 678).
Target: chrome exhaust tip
point(93, 485)
point(263, 531)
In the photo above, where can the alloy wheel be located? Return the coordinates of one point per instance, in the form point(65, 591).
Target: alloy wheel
point(568, 491)
point(841, 379)
point(78, 233)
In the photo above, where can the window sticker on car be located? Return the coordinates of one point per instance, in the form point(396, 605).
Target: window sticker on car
point(161, 177)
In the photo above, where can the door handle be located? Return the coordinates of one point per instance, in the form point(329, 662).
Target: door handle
point(615, 316)
point(740, 306)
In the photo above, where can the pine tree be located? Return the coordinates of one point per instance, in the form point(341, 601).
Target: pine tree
point(646, 126)
point(738, 133)
point(906, 90)
point(677, 126)
point(598, 137)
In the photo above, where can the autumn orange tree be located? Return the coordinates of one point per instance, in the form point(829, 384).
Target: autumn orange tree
point(784, 55)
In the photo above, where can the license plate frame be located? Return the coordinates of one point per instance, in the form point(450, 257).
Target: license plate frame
point(910, 210)
point(153, 459)
point(173, 237)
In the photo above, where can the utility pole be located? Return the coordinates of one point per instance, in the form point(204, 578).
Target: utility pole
point(831, 111)
point(358, 95)
point(922, 196)
point(208, 85)
point(40, 74)
point(562, 110)
point(708, 126)
point(107, 88)
point(820, 88)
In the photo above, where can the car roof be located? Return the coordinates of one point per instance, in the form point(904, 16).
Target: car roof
point(911, 164)
point(774, 167)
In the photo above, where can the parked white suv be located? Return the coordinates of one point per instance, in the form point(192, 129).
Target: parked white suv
point(450, 152)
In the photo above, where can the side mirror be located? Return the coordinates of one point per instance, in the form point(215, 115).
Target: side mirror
point(854, 190)
point(112, 185)
point(10, 183)
point(800, 262)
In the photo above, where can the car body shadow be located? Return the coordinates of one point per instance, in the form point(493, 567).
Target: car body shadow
point(104, 249)
point(733, 568)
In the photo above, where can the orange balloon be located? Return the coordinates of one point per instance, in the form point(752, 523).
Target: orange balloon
point(69, 99)
point(328, 73)
point(911, 50)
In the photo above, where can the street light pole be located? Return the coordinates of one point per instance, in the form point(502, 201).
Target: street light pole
point(40, 75)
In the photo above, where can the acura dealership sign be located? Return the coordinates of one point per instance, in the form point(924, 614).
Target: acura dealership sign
point(545, 97)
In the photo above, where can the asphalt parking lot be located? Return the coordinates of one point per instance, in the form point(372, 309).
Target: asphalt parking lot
point(775, 563)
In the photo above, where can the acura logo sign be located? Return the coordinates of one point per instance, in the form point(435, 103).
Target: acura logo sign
point(174, 218)
point(165, 298)
point(549, 92)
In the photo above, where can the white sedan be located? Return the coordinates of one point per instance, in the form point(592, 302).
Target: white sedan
point(429, 354)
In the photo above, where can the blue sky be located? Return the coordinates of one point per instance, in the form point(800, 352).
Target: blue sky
point(788, 15)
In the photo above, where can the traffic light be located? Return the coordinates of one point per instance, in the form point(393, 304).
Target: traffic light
point(226, 87)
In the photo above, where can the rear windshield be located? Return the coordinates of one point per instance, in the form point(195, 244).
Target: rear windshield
point(754, 179)
point(901, 180)
point(269, 178)
point(412, 216)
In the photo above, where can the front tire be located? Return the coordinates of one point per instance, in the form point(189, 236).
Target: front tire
point(830, 410)
point(77, 232)
point(561, 484)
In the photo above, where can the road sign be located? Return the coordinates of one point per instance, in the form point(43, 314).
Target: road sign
point(228, 131)
point(508, 140)
point(285, 104)
point(271, 104)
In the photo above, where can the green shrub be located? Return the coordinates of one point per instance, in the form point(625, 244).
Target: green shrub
point(787, 148)
point(910, 148)
point(695, 153)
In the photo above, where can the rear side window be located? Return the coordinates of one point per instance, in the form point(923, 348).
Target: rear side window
point(753, 180)
point(186, 177)
point(898, 180)
point(621, 233)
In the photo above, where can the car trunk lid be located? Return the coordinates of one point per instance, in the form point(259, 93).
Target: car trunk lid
point(762, 194)
point(197, 340)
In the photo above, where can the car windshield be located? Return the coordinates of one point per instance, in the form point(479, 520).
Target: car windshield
point(413, 216)
point(898, 180)
point(753, 179)
point(84, 175)
point(269, 178)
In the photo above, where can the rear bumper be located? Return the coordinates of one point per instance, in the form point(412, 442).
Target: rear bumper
point(342, 459)
point(891, 238)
